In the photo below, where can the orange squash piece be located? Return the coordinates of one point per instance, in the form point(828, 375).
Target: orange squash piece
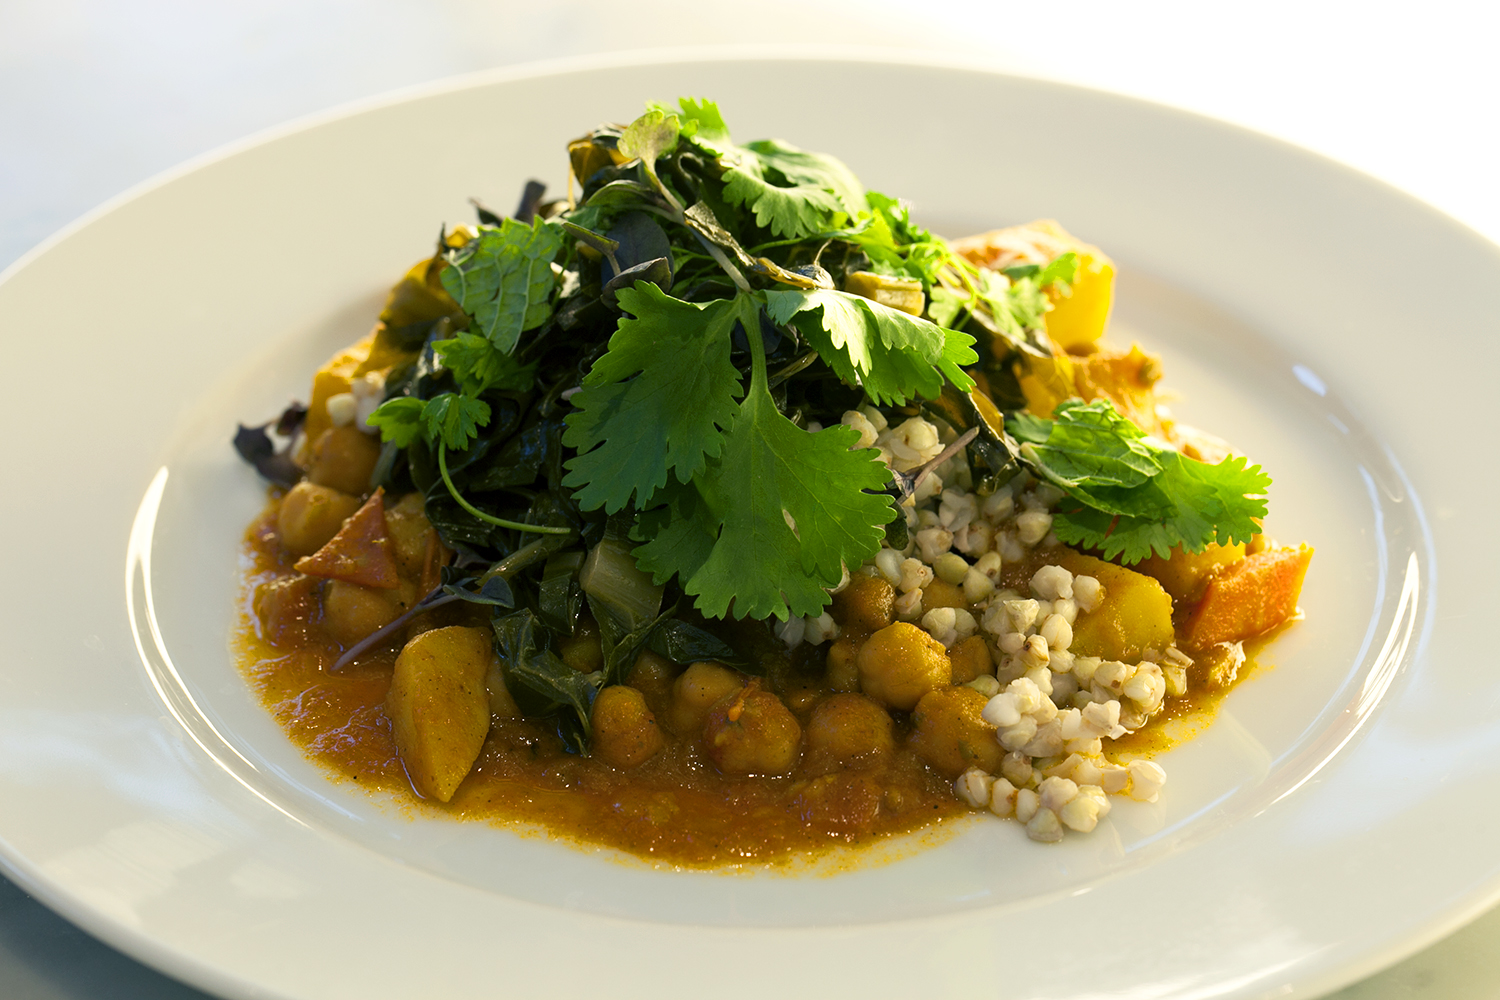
point(1248, 597)
point(360, 552)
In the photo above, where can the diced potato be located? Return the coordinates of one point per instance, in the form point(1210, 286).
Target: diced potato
point(344, 458)
point(1136, 614)
point(440, 708)
point(1185, 574)
point(410, 532)
point(1253, 596)
point(310, 516)
point(352, 611)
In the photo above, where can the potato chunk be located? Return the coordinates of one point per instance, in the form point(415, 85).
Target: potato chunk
point(310, 515)
point(1185, 574)
point(344, 458)
point(1250, 597)
point(1136, 614)
point(439, 707)
point(901, 663)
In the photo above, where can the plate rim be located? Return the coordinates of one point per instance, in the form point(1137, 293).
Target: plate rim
point(182, 964)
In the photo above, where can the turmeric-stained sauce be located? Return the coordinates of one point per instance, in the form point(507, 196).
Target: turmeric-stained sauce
point(675, 808)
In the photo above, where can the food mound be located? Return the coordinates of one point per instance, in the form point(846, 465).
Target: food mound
point(720, 512)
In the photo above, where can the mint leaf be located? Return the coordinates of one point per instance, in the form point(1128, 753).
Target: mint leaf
point(480, 366)
point(768, 527)
point(503, 279)
point(653, 404)
point(891, 354)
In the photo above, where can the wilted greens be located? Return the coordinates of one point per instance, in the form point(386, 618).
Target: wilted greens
point(658, 369)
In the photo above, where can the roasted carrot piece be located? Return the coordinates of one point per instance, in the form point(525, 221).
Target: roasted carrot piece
point(1248, 597)
point(360, 552)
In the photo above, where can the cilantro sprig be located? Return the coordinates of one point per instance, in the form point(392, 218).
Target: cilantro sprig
point(1130, 494)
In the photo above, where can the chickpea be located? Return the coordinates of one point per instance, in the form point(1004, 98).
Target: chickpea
point(901, 663)
point(696, 690)
point(352, 611)
point(625, 731)
point(583, 650)
point(843, 674)
point(970, 659)
point(310, 515)
point(752, 733)
point(864, 606)
point(942, 594)
point(652, 676)
point(344, 458)
point(950, 735)
point(847, 731)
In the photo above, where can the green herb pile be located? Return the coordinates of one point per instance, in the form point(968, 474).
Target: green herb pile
point(647, 368)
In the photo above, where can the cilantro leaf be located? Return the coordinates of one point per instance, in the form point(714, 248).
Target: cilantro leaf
point(703, 123)
point(479, 366)
point(769, 526)
point(891, 354)
point(399, 420)
point(653, 404)
point(448, 418)
point(454, 420)
point(652, 135)
point(503, 279)
point(1129, 495)
point(1088, 442)
point(792, 192)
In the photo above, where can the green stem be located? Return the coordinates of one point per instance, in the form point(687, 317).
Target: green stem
point(500, 522)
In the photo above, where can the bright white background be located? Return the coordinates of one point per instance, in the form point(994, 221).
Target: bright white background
point(96, 96)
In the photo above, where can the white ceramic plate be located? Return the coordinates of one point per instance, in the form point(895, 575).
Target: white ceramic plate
point(1338, 816)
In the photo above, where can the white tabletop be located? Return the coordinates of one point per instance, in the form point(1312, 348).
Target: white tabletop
point(98, 95)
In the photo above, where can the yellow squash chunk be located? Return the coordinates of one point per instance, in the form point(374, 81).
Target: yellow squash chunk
point(1185, 574)
point(440, 708)
point(1136, 613)
point(1250, 597)
point(1077, 319)
point(334, 377)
